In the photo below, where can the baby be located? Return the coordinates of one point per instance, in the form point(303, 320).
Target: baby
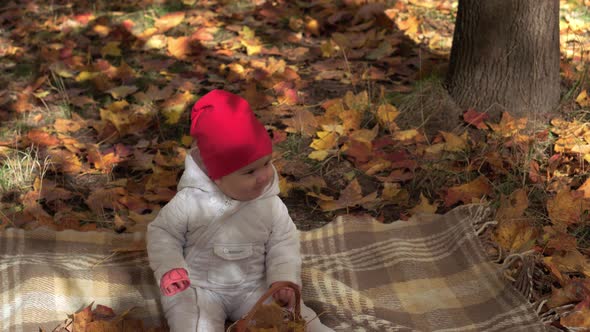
point(226, 236)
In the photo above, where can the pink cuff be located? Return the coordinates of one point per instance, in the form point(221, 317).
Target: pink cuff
point(174, 281)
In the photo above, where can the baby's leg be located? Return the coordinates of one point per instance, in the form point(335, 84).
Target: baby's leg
point(212, 312)
point(314, 324)
point(181, 310)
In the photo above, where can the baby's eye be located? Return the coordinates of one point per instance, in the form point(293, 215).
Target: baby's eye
point(250, 172)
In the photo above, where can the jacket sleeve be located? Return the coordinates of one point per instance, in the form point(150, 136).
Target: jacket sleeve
point(283, 258)
point(166, 236)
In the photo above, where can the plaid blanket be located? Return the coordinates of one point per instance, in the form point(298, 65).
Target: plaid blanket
point(428, 274)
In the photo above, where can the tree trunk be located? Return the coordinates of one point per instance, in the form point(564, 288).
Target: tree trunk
point(505, 56)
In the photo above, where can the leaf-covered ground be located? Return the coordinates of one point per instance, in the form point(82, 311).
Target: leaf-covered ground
point(94, 99)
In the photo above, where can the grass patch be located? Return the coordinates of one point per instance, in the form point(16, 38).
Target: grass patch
point(18, 169)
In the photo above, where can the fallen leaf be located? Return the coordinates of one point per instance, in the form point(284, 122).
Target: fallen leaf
point(176, 105)
point(574, 291)
point(179, 47)
point(566, 208)
point(569, 262)
point(122, 91)
point(453, 142)
point(468, 192)
point(424, 206)
point(169, 21)
point(582, 99)
point(579, 318)
point(302, 121)
point(475, 118)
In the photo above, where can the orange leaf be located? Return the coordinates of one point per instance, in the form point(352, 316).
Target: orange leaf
point(169, 21)
point(82, 318)
point(508, 126)
point(573, 291)
point(468, 192)
point(579, 318)
point(424, 206)
point(569, 262)
point(65, 161)
point(179, 47)
point(40, 137)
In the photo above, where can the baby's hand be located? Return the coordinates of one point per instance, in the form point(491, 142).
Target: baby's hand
point(174, 281)
point(285, 297)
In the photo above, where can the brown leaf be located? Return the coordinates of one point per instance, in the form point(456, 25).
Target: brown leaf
point(468, 192)
point(579, 318)
point(475, 118)
point(569, 262)
point(302, 121)
point(106, 198)
point(349, 197)
point(574, 291)
point(65, 161)
point(566, 208)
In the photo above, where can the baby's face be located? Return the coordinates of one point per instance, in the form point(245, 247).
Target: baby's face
point(248, 182)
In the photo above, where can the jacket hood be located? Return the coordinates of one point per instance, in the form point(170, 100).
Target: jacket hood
point(195, 177)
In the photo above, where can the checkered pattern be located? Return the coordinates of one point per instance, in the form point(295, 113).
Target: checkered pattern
point(46, 276)
point(429, 274)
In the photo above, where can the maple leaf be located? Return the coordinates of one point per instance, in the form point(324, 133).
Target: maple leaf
point(568, 262)
point(514, 232)
point(122, 91)
point(574, 291)
point(453, 142)
point(558, 239)
point(65, 161)
point(582, 99)
point(111, 48)
point(349, 197)
point(424, 206)
point(468, 192)
point(105, 198)
point(394, 193)
point(386, 114)
point(508, 125)
point(566, 208)
point(176, 105)
point(43, 138)
point(179, 47)
point(579, 318)
point(302, 121)
point(475, 118)
point(169, 21)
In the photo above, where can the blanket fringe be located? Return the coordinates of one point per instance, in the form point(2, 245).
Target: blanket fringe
point(524, 270)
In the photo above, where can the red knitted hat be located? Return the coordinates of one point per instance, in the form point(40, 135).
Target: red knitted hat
point(228, 134)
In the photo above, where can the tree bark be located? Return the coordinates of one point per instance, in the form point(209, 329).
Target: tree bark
point(505, 56)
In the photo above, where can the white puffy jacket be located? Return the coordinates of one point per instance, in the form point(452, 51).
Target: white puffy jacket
point(224, 244)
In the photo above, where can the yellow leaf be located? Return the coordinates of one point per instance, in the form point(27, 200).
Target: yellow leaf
point(583, 99)
point(186, 140)
point(405, 135)
point(453, 142)
point(393, 192)
point(175, 106)
point(326, 140)
point(285, 186)
point(424, 206)
point(85, 76)
point(319, 155)
point(329, 48)
point(156, 42)
point(358, 102)
point(387, 114)
point(570, 261)
point(111, 48)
